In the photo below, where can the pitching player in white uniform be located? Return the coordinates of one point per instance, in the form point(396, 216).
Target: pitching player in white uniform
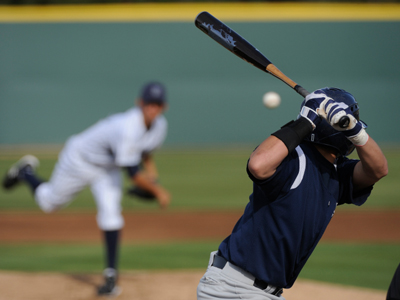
point(94, 158)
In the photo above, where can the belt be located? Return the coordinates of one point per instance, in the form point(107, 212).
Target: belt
point(220, 262)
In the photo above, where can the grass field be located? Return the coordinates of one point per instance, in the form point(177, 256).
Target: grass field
point(201, 180)
point(364, 265)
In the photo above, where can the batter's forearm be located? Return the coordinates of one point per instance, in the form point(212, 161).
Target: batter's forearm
point(372, 166)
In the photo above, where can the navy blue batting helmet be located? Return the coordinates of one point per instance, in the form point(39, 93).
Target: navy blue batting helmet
point(324, 134)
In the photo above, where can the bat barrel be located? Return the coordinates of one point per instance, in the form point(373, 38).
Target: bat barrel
point(230, 40)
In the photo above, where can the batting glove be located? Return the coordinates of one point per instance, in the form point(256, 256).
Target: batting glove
point(311, 106)
point(333, 111)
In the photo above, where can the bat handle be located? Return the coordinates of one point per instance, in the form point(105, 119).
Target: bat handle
point(302, 91)
point(343, 122)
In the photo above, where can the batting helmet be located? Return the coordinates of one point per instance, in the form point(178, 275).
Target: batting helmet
point(325, 134)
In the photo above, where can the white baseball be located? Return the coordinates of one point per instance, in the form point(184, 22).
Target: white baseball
point(271, 99)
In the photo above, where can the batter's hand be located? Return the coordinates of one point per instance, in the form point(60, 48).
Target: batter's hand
point(311, 106)
point(333, 111)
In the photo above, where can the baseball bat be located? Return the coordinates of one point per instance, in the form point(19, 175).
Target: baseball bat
point(236, 44)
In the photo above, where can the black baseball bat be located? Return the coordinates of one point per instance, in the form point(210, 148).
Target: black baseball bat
point(236, 44)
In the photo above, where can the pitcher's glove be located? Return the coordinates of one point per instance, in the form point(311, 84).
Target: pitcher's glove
point(141, 194)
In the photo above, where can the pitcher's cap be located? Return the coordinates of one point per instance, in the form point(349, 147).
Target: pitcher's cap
point(154, 92)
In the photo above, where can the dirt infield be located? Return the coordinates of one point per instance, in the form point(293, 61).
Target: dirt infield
point(375, 226)
point(174, 285)
point(28, 227)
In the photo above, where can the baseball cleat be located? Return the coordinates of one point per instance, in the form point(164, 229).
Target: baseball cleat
point(109, 288)
point(28, 163)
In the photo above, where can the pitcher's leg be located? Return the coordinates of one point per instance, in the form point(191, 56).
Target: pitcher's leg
point(107, 193)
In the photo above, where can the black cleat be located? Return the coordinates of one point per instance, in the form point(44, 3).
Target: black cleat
point(13, 175)
point(109, 288)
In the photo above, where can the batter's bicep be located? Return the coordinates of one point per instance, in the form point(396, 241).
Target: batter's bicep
point(282, 179)
point(349, 193)
point(360, 180)
point(266, 158)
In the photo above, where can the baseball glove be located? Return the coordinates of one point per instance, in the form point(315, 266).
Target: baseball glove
point(141, 194)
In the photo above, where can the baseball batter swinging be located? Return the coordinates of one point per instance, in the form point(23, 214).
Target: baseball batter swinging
point(94, 158)
point(300, 174)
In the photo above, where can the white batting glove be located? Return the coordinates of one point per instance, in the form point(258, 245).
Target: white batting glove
point(333, 111)
point(311, 106)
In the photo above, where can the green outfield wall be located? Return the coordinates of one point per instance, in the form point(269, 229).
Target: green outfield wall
point(63, 68)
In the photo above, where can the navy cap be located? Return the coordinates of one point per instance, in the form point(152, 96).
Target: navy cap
point(154, 92)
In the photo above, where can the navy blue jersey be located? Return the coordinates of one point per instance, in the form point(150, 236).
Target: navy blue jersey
point(288, 214)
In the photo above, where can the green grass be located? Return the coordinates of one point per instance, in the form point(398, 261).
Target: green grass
point(89, 257)
point(365, 265)
point(207, 179)
point(386, 192)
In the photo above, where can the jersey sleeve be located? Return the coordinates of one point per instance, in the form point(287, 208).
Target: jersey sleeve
point(133, 146)
point(127, 146)
point(159, 135)
point(132, 170)
point(347, 193)
point(128, 153)
point(281, 180)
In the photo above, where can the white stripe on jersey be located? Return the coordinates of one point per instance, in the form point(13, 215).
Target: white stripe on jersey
point(302, 168)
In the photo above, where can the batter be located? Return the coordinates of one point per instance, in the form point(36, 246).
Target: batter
point(300, 174)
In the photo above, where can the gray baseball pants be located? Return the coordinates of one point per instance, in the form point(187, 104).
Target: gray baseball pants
point(230, 282)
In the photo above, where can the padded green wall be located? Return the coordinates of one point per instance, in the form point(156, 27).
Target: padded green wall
point(58, 78)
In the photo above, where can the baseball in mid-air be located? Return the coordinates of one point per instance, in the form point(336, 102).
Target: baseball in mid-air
point(271, 99)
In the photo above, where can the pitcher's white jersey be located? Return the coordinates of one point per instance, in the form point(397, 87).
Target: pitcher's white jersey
point(120, 139)
point(94, 158)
